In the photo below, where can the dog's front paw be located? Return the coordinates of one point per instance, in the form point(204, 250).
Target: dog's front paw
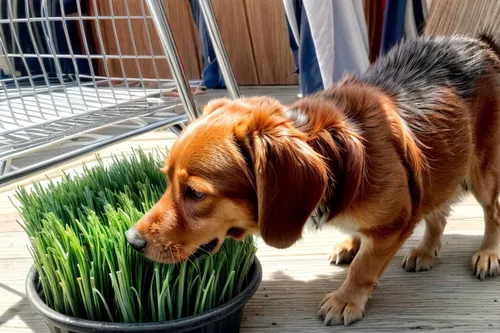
point(418, 260)
point(344, 252)
point(486, 263)
point(337, 309)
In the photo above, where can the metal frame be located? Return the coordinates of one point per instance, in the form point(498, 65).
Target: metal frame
point(62, 116)
point(220, 50)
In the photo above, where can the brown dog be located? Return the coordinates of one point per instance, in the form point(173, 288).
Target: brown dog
point(376, 154)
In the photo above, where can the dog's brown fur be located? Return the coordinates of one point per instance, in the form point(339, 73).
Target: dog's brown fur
point(264, 167)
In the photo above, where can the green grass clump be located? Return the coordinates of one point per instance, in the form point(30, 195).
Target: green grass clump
point(86, 268)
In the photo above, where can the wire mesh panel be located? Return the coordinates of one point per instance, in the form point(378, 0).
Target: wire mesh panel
point(69, 67)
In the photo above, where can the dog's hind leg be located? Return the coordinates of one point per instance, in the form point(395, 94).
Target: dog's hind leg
point(423, 256)
point(484, 175)
point(486, 261)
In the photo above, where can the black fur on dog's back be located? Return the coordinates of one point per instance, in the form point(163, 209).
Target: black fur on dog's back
point(415, 72)
point(417, 67)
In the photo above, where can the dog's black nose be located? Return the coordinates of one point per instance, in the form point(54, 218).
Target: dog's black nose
point(135, 240)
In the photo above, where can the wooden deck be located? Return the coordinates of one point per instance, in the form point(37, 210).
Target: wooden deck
point(447, 298)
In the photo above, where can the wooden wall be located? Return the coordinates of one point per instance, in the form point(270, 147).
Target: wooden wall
point(254, 33)
point(270, 42)
point(119, 37)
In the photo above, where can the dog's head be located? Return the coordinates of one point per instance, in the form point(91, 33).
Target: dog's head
point(240, 169)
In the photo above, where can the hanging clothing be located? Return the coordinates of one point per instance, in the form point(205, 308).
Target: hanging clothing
point(410, 27)
point(351, 51)
point(302, 43)
point(211, 73)
point(402, 18)
point(418, 13)
point(425, 8)
point(374, 12)
point(394, 23)
point(330, 39)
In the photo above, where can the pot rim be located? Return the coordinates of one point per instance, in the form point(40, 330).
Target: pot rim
point(177, 325)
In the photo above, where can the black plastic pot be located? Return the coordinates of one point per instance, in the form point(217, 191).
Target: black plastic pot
point(225, 318)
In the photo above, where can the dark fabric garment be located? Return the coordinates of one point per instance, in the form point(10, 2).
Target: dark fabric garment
point(394, 23)
point(211, 73)
point(293, 46)
point(310, 80)
point(374, 12)
point(309, 72)
point(418, 13)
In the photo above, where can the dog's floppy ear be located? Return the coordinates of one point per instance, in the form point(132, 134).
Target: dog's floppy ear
point(215, 104)
point(290, 177)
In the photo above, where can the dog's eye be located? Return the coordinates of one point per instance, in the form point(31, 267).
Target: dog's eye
point(194, 194)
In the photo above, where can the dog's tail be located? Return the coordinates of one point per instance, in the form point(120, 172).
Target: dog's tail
point(487, 38)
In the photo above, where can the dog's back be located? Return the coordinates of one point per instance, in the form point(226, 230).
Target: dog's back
point(416, 67)
point(447, 92)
